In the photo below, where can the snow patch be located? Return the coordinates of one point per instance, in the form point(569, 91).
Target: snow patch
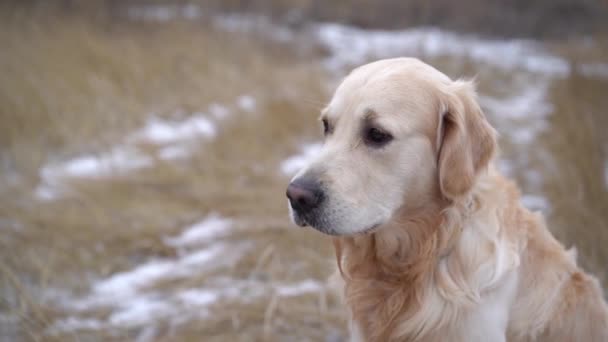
point(218, 111)
point(523, 115)
point(163, 13)
point(349, 46)
point(172, 139)
point(594, 70)
point(159, 131)
point(75, 324)
point(198, 297)
point(119, 160)
point(125, 284)
point(130, 295)
point(529, 101)
point(141, 310)
point(89, 166)
point(505, 166)
point(173, 152)
point(292, 290)
point(246, 103)
point(535, 202)
point(294, 163)
point(204, 231)
point(131, 299)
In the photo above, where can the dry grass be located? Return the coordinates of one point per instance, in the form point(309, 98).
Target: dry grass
point(579, 146)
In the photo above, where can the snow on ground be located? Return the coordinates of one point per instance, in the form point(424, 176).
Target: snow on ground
point(211, 227)
point(218, 111)
point(160, 131)
point(535, 202)
point(521, 115)
point(162, 13)
point(351, 46)
point(591, 70)
point(172, 139)
point(132, 299)
point(246, 103)
point(293, 164)
point(118, 160)
point(291, 290)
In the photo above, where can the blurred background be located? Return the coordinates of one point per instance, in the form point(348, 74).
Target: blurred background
point(145, 147)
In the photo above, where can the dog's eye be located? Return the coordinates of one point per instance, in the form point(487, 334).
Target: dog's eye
point(374, 137)
point(326, 129)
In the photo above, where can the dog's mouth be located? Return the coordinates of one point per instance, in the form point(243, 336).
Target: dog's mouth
point(372, 229)
point(316, 224)
point(299, 220)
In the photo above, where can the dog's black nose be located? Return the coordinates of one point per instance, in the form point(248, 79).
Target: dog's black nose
point(304, 195)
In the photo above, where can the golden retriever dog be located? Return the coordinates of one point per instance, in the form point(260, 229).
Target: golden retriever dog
point(432, 242)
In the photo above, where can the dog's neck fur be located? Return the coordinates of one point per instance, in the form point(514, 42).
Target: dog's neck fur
point(390, 274)
point(386, 271)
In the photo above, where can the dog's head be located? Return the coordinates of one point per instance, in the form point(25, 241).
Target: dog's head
point(398, 135)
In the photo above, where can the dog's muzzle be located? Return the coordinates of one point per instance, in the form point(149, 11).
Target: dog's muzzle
point(305, 196)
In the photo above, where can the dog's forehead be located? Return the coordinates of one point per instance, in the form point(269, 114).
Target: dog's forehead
point(398, 93)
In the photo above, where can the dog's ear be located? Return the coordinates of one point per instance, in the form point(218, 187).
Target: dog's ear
point(465, 138)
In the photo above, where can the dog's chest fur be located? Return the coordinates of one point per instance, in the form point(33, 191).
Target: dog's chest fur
point(419, 283)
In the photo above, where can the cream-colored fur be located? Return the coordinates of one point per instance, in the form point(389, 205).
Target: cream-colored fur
point(451, 254)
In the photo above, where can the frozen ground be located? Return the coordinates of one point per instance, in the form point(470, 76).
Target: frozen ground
point(159, 140)
point(133, 299)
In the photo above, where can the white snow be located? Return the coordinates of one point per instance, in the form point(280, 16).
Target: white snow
point(201, 257)
point(159, 131)
point(198, 297)
point(45, 192)
point(163, 13)
point(294, 163)
point(174, 139)
point(172, 152)
point(535, 202)
point(144, 308)
point(351, 46)
point(218, 111)
point(75, 323)
point(132, 300)
point(125, 284)
point(522, 115)
point(599, 70)
point(140, 310)
point(528, 101)
point(292, 290)
point(209, 228)
point(246, 103)
point(131, 296)
point(119, 160)
point(505, 166)
point(122, 286)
